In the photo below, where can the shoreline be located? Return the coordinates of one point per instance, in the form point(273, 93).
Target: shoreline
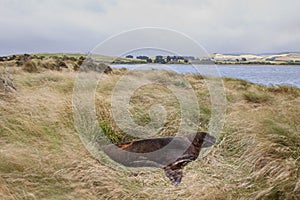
point(132, 61)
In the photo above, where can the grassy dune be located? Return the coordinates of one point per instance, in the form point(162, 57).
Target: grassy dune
point(42, 157)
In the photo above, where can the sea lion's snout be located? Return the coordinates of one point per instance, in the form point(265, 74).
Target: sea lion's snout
point(209, 140)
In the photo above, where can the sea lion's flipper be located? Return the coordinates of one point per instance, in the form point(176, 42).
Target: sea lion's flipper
point(175, 175)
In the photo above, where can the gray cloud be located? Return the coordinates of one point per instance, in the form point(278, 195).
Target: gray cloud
point(220, 26)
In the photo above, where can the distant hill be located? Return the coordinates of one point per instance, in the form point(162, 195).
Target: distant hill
point(277, 58)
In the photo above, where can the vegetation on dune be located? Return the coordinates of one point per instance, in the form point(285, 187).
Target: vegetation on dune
point(41, 156)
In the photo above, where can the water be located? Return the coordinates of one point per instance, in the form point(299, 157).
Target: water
point(260, 74)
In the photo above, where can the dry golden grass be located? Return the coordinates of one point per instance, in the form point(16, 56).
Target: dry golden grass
point(41, 156)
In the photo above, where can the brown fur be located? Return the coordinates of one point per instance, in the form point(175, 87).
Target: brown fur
point(169, 153)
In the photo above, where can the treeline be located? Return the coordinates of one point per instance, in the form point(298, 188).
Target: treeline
point(164, 59)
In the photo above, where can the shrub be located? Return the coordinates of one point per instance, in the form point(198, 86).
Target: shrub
point(284, 89)
point(61, 63)
point(76, 67)
point(256, 98)
point(51, 66)
point(30, 67)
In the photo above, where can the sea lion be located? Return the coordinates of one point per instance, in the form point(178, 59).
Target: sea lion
point(168, 153)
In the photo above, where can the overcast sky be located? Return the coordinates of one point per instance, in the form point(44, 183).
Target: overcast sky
point(225, 26)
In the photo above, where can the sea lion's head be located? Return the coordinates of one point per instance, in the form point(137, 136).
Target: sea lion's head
point(202, 139)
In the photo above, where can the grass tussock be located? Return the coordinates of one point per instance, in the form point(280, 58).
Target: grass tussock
point(30, 66)
point(284, 89)
point(256, 98)
point(257, 155)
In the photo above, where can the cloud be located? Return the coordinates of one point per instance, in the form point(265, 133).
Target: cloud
point(78, 26)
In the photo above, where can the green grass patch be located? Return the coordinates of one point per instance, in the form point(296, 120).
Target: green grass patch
point(256, 98)
point(112, 135)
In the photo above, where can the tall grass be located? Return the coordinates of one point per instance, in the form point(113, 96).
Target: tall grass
point(256, 98)
point(42, 157)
